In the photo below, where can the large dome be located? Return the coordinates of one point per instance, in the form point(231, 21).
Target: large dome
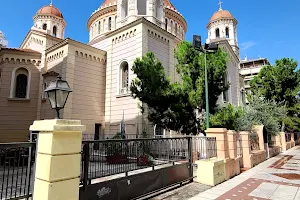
point(167, 3)
point(50, 10)
point(221, 14)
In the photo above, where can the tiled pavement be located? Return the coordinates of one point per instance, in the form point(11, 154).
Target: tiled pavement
point(277, 178)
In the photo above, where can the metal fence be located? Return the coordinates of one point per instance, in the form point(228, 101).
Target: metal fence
point(239, 145)
point(109, 157)
point(16, 170)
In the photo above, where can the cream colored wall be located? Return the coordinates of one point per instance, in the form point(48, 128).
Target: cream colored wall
point(16, 115)
point(122, 46)
point(84, 69)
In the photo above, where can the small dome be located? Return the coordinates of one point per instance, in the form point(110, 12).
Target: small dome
point(221, 14)
point(108, 2)
point(49, 10)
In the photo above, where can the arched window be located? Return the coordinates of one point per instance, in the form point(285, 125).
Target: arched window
point(142, 7)
point(92, 31)
point(124, 12)
point(109, 23)
point(115, 21)
point(225, 93)
point(124, 78)
point(166, 24)
point(44, 26)
point(54, 31)
point(158, 9)
point(227, 32)
point(99, 27)
point(158, 132)
point(217, 33)
point(20, 83)
point(176, 28)
point(171, 26)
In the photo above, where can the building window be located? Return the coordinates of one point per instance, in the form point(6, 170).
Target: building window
point(217, 33)
point(227, 32)
point(20, 83)
point(124, 78)
point(171, 26)
point(99, 27)
point(92, 31)
point(21, 86)
point(124, 9)
point(54, 31)
point(176, 28)
point(142, 7)
point(225, 93)
point(166, 24)
point(109, 23)
point(115, 22)
point(159, 132)
point(44, 26)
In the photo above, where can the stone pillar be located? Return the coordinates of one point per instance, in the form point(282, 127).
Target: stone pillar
point(232, 146)
point(246, 144)
point(58, 159)
point(222, 141)
point(223, 150)
point(283, 141)
point(292, 139)
point(260, 132)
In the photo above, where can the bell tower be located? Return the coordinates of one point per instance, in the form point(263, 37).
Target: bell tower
point(223, 25)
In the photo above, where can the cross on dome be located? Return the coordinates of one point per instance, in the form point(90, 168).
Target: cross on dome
point(51, 2)
point(220, 4)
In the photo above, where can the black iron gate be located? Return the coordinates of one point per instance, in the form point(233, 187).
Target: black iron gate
point(128, 169)
point(16, 170)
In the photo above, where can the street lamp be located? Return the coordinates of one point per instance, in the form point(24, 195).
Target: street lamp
point(58, 92)
point(208, 48)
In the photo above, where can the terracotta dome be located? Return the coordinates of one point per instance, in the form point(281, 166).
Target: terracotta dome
point(49, 10)
point(221, 14)
point(108, 2)
point(167, 3)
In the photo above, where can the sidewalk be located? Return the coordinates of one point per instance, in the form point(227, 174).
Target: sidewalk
point(277, 178)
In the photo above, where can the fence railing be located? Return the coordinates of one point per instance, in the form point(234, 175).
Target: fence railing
point(109, 157)
point(16, 170)
point(239, 145)
point(254, 141)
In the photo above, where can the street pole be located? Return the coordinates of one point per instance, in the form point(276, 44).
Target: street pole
point(206, 93)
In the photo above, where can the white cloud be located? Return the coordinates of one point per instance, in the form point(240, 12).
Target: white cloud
point(247, 45)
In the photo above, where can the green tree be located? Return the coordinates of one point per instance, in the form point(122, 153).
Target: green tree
point(280, 83)
point(226, 117)
point(260, 111)
point(172, 105)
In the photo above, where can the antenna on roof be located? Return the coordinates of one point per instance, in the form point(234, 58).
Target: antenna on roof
point(220, 4)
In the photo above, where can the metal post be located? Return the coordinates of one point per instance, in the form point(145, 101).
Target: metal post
point(86, 151)
point(190, 149)
point(206, 93)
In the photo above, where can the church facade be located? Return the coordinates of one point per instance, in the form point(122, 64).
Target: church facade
point(99, 72)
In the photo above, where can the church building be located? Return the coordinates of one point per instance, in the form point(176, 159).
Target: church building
point(99, 72)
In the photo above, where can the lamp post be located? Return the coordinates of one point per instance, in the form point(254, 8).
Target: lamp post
point(58, 92)
point(208, 48)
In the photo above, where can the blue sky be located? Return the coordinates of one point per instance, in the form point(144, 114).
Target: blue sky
point(266, 28)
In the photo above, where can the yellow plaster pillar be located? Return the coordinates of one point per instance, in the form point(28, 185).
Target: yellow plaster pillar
point(260, 132)
point(283, 141)
point(223, 150)
point(232, 147)
point(58, 159)
point(292, 139)
point(222, 141)
point(246, 144)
